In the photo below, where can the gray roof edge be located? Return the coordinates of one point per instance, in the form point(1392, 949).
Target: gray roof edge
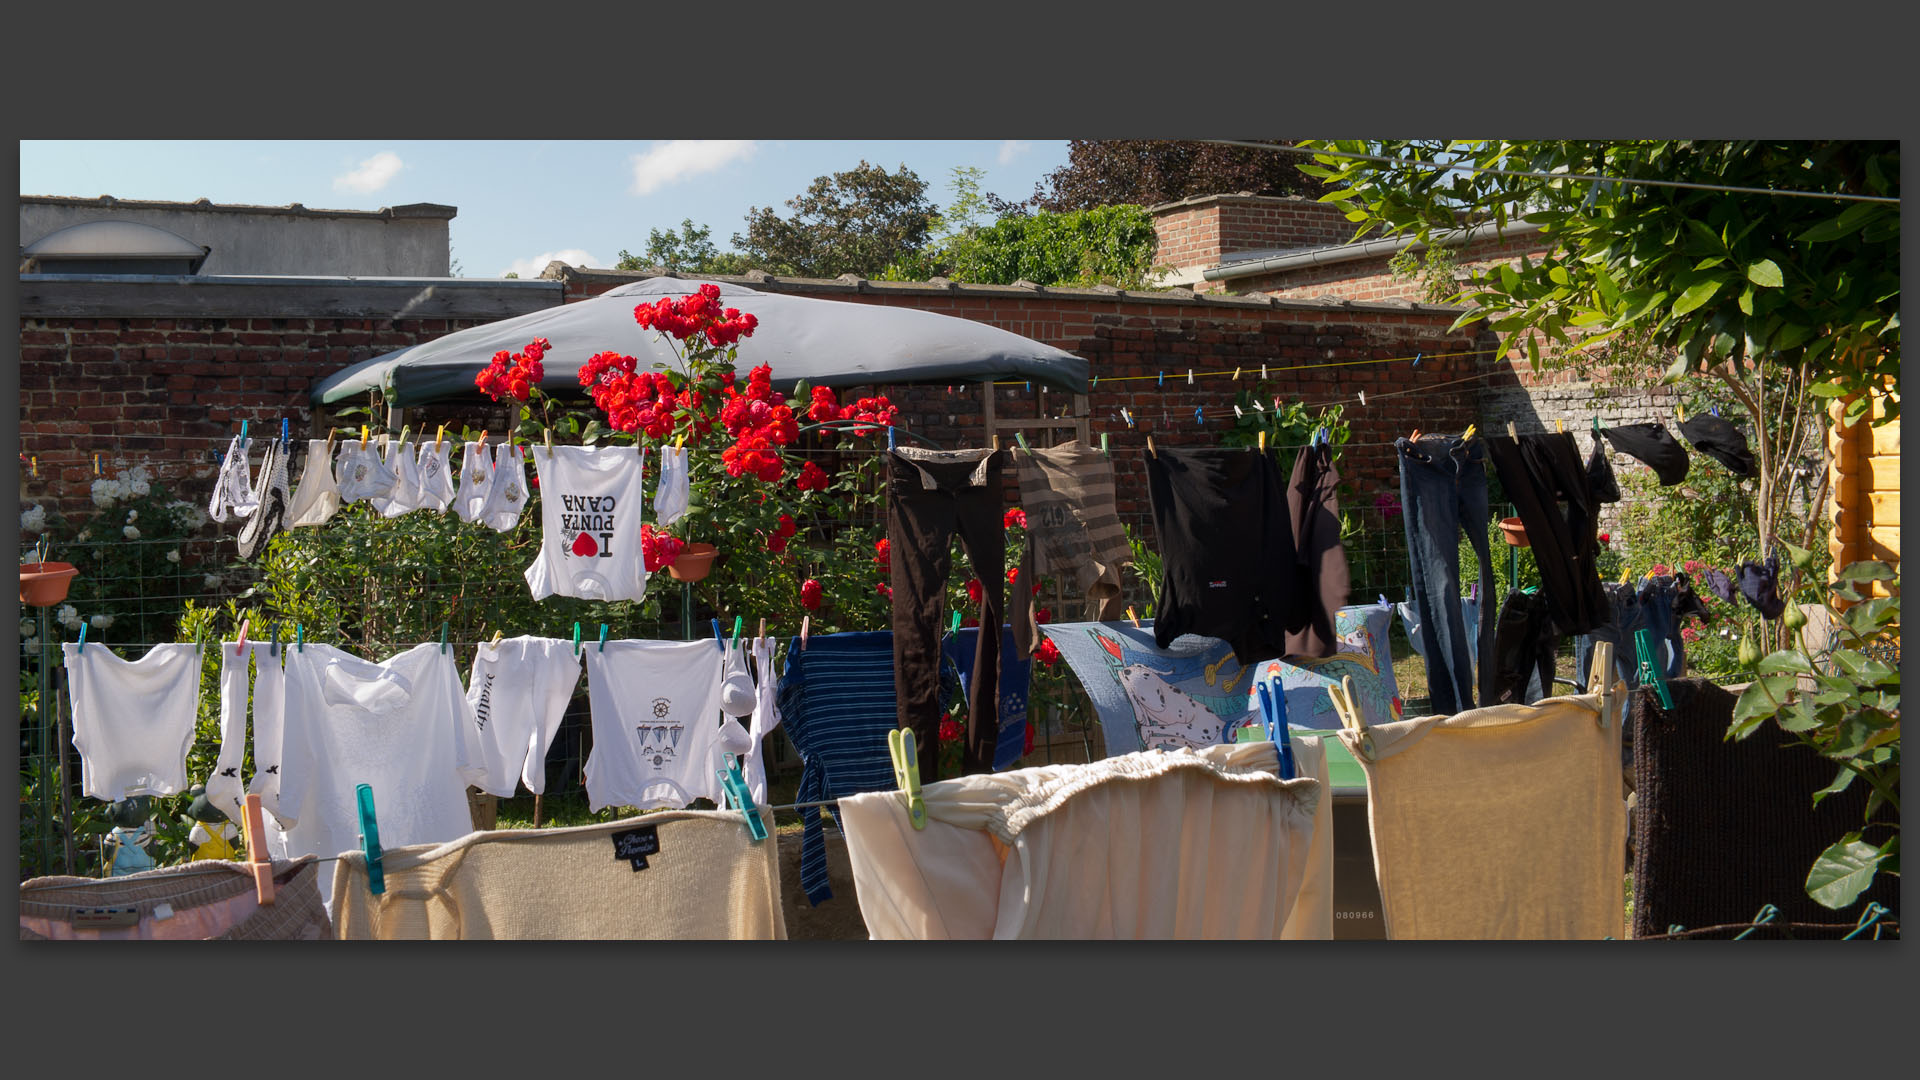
point(1184, 297)
point(1366, 250)
point(282, 280)
point(437, 211)
point(1229, 196)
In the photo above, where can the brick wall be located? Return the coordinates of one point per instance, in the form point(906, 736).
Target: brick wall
point(1370, 279)
point(1194, 234)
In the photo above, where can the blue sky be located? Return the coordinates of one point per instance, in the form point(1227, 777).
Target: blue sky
point(520, 203)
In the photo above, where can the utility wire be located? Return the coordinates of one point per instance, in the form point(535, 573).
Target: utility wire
point(1441, 165)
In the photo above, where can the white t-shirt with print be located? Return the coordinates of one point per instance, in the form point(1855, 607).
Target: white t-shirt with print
point(507, 494)
point(518, 692)
point(590, 514)
point(656, 723)
point(133, 719)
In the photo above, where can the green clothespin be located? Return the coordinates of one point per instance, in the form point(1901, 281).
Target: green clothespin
point(953, 625)
point(576, 639)
point(1643, 648)
point(443, 636)
point(370, 840)
point(83, 636)
point(1021, 438)
point(739, 621)
point(603, 637)
point(906, 773)
point(1596, 425)
point(1103, 442)
point(299, 637)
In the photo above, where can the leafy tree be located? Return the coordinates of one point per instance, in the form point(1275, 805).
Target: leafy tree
point(1784, 299)
point(1108, 172)
point(859, 222)
point(686, 250)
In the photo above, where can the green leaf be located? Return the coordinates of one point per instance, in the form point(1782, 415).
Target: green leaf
point(1865, 571)
point(1840, 784)
point(1558, 275)
point(1797, 716)
point(1762, 697)
point(1699, 294)
point(1834, 228)
point(1827, 389)
point(1786, 660)
point(1677, 370)
point(1746, 300)
point(1843, 872)
point(1766, 274)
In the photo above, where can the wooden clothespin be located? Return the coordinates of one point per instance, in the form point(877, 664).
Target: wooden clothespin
point(1559, 425)
point(497, 635)
point(1415, 437)
point(906, 773)
point(96, 464)
point(1134, 617)
point(549, 440)
point(996, 442)
point(1680, 411)
point(370, 840)
point(483, 437)
point(1150, 448)
point(737, 797)
point(1600, 676)
point(258, 861)
point(1236, 374)
point(763, 628)
point(806, 621)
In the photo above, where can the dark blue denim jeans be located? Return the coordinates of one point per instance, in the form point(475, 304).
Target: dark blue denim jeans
point(1656, 599)
point(1628, 615)
point(1443, 490)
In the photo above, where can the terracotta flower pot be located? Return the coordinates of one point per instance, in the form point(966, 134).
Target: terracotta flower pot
point(694, 562)
point(1514, 532)
point(44, 584)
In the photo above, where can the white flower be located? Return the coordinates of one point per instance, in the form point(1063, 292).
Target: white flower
point(130, 533)
point(33, 642)
point(173, 556)
point(133, 516)
point(188, 514)
point(106, 491)
point(68, 616)
point(212, 581)
point(137, 479)
point(101, 622)
point(26, 627)
point(34, 520)
point(85, 535)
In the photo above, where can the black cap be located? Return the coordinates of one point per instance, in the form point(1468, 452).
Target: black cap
point(1720, 441)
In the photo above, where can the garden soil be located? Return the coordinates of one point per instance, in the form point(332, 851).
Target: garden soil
point(837, 919)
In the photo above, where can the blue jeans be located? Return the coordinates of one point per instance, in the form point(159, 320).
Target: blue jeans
point(1443, 490)
point(1628, 615)
point(1656, 599)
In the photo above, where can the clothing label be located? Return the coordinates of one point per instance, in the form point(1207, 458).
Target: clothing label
point(634, 845)
point(104, 918)
point(162, 912)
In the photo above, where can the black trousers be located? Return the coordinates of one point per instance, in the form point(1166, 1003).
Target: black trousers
point(1524, 644)
point(1539, 472)
point(931, 495)
point(1228, 568)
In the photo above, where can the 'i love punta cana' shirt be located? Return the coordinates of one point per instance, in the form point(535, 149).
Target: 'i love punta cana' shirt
point(590, 514)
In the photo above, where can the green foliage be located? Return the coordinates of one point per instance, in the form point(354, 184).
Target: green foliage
point(1842, 698)
point(1434, 268)
point(856, 222)
point(1713, 275)
point(133, 570)
point(1108, 172)
point(1107, 245)
point(687, 250)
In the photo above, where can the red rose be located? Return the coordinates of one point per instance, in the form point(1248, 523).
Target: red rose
point(1606, 538)
point(975, 591)
point(883, 552)
point(949, 730)
point(787, 526)
point(810, 594)
point(1015, 518)
point(884, 589)
point(1013, 575)
point(1048, 653)
point(811, 478)
point(1042, 615)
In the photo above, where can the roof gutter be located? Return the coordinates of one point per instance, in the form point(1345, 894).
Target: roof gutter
point(1368, 250)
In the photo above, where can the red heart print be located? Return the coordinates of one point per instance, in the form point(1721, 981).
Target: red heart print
point(584, 546)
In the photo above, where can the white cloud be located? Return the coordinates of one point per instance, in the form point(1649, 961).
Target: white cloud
point(530, 268)
point(672, 162)
point(372, 175)
point(1013, 148)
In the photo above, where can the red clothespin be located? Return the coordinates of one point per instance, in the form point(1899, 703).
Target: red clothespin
point(258, 860)
point(241, 648)
point(806, 623)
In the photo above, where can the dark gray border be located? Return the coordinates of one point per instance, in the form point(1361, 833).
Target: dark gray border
point(984, 73)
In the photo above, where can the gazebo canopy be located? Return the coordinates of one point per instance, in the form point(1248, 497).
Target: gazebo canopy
point(825, 342)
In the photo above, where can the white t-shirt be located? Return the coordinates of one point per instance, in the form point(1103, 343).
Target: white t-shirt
point(405, 493)
point(233, 488)
point(360, 474)
point(318, 496)
point(518, 692)
point(476, 481)
point(507, 495)
point(672, 497)
point(656, 723)
point(398, 726)
point(436, 476)
point(590, 514)
point(133, 719)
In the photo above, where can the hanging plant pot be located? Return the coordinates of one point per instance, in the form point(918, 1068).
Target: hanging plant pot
point(44, 584)
point(693, 563)
point(1514, 532)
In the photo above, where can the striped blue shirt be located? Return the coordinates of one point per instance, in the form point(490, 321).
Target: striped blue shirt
point(1016, 673)
point(837, 703)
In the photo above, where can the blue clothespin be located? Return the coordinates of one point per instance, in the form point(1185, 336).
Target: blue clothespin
point(1029, 387)
point(719, 638)
point(299, 637)
point(1715, 410)
point(1416, 358)
point(443, 636)
point(890, 437)
point(370, 841)
point(1650, 673)
point(906, 773)
point(285, 433)
point(243, 434)
point(1127, 416)
point(1196, 415)
point(1163, 380)
point(83, 637)
point(1273, 711)
point(603, 637)
point(738, 798)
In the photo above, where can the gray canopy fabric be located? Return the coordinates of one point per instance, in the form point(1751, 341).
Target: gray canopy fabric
point(825, 342)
